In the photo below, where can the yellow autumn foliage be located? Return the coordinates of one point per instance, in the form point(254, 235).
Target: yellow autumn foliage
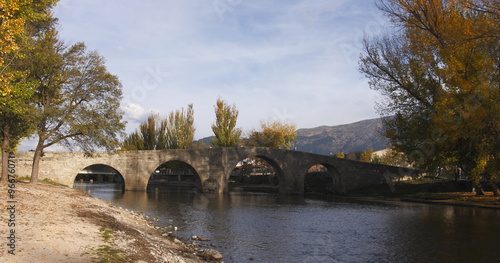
point(440, 70)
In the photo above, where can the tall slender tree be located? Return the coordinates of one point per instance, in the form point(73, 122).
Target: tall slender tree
point(151, 135)
point(224, 128)
point(180, 128)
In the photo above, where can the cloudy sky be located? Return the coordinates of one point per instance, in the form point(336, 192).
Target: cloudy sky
point(292, 60)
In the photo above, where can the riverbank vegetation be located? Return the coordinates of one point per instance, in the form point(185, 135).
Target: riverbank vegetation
point(438, 70)
point(431, 189)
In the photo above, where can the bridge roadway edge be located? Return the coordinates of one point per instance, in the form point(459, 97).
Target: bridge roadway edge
point(213, 166)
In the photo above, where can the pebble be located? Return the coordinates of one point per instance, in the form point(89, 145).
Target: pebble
point(210, 254)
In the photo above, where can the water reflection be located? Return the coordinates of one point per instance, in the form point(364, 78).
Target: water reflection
point(277, 228)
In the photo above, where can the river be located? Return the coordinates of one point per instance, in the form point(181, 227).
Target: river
point(262, 227)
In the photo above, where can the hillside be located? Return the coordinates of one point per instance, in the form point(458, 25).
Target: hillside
point(358, 136)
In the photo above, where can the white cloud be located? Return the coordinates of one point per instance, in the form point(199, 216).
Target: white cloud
point(264, 56)
point(134, 112)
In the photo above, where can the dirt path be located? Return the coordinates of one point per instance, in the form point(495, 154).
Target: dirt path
point(59, 224)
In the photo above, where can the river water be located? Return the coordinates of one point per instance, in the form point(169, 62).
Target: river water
point(261, 227)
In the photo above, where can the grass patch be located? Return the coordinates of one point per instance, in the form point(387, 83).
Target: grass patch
point(23, 179)
point(51, 182)
point(106, 233)
point(106, 253)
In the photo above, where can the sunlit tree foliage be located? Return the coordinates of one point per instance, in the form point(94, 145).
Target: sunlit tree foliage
point(439, 70)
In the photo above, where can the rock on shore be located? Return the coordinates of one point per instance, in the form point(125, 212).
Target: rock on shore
point(59, 224)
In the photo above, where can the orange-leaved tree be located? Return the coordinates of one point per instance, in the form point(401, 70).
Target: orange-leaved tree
point(440, 72)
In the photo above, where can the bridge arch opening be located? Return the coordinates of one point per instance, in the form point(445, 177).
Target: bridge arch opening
point(99, 174)
point(322, 179)
point(256, 173)
point(174, 173)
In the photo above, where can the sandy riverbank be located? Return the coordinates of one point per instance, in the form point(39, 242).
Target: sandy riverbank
point(59, 224)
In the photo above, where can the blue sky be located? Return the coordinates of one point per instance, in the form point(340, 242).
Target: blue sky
point(292, 60)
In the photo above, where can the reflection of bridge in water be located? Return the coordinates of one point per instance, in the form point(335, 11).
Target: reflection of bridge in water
point(212, 167)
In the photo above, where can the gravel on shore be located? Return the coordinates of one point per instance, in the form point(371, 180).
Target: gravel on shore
point(48, 223)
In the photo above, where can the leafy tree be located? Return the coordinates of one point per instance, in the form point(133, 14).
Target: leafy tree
point(392, 157)
point(151, 135)
point(175, 132)
point(21, 21)
point(274, 135)
point(12, 27)
point(224, 128)
point(366, 156)
point(440, 73)
point(340, 155)
point(77, 99)
point(180, 129)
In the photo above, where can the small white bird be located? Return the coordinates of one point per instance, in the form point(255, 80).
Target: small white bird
point(175, 228)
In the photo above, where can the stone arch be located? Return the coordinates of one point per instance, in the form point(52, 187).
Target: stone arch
point(101, 170)
point(278, 171)
point(333, 172)
point(277, 168)
point(170, 164)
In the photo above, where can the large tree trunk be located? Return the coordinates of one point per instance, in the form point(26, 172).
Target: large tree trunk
point(5, 163)
point(5, 153)
point(493, 185)
point(478, 189)
point(36, 163)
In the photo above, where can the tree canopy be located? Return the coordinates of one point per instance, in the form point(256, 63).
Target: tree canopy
point(77, 99)
point(151, 135)
point(274, 134)
point(20, 24)
point(62, 94)
point(224, 128)
point(174, 132)
point(180, 128)
point(439, 70)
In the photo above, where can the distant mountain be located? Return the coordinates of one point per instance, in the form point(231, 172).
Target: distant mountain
point(346, 138)
point(358, 136)
point(206, 140)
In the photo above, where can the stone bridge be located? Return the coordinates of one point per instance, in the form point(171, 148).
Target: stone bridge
point(213, 166)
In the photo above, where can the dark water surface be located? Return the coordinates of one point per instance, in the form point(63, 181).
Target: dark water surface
point(278, 228)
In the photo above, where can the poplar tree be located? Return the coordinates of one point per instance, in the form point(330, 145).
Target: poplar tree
point(174, 132)
point(180, 128)
point(224, 128)
point(151, 135)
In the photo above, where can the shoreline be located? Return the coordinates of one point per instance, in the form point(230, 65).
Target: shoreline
point(447, 202)
point(61, 224)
